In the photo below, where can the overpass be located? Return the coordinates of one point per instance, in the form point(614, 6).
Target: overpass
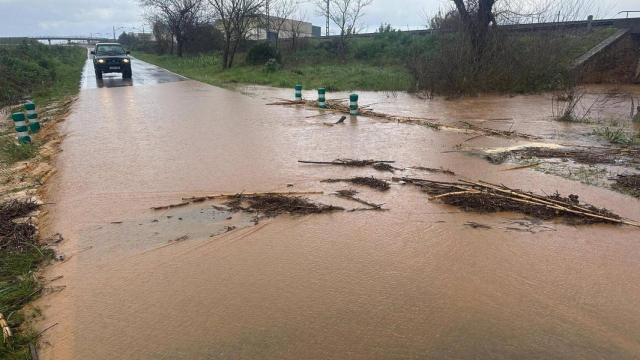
point(49, 39)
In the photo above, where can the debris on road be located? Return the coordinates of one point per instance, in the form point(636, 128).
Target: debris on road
point(180, 239)
point(347, 162)
point(199, 199)
point(434, 170)
point(589, 156)
point(628, 183)
point(486, 197)
point(273, 205)
point(340, 106)
point(380, 165)
point(15, 234)
point(495, 132)
point(371, 182)
point(351, 195)
point(475, 225)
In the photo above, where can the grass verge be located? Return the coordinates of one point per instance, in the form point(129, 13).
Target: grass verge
point(45, 74)
point(334, 77)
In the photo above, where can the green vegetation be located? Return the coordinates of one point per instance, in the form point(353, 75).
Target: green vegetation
point(617, 135)
point(399, 61)
point(12, 152)
point(31, 69)
point(333, 76)
point(20, 255)
point(44, 74)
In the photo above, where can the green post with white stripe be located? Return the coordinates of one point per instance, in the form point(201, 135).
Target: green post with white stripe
point(353, 105)
point(298, 92)
point(32, 116)
point(21, 128)
point(322, 100)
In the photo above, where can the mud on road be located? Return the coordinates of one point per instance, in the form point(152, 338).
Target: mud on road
point(416, 281)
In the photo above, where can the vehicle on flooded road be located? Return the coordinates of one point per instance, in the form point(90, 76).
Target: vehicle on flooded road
point(111, 58)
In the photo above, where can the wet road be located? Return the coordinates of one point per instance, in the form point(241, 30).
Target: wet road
point(410, 283)
point(144, 74)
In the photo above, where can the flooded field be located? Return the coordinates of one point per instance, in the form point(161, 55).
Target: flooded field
point(413, 282)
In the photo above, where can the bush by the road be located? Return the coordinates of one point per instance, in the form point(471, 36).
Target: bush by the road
point(262, 52)
point(38, 71)
point(400, 61)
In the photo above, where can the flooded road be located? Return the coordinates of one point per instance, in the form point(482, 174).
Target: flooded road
point(410, 283)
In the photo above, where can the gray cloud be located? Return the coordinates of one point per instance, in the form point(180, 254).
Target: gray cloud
point(84, 17)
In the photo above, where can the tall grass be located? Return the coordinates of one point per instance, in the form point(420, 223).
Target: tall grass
point(335, 77)
point(41, 72)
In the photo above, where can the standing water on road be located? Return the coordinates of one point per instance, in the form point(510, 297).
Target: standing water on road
point(414, 282)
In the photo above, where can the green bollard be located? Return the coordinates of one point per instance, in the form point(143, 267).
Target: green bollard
point(298, 92)
point(21, 128)
point(32, 116)
point(353, 104)
point(322, 100)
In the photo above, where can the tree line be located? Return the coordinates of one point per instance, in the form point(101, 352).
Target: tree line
point(182, 24)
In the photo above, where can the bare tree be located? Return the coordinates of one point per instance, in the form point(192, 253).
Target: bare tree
point(346, 15)
point(296, 29)
point(283, 11)
point(235, 17)
point(476, 16)
point(178, 15)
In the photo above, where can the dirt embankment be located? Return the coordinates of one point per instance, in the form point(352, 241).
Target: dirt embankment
point(24, 171)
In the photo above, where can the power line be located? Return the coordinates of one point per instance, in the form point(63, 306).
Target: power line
point(327, 28)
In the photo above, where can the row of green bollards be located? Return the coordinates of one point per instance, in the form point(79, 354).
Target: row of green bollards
point(322, 99)
point(20, 121)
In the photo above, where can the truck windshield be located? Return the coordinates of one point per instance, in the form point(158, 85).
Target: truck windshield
point(110, 50)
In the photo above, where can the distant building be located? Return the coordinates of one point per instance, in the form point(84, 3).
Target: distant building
point(146, 36)
point(289, 28)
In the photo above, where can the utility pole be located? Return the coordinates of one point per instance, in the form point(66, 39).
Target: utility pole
point(114, 33)
point(327, 28)
point(268, 19)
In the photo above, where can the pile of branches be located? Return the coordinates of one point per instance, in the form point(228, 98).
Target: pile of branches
point(342, 106)
point(628, 183)
point(15, 235)
point(380, 165)
point(500, 133)
point(486, 197)
point(589, 156)
point(371, 182)
point(272, 205)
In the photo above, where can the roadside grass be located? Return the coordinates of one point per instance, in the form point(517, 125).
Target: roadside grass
point(44, 74)
point(333, 76)
point(38, 71)
point(12, 152)
point(19, 286)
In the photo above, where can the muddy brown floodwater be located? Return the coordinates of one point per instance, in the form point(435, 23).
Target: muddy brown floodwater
point(410, 283)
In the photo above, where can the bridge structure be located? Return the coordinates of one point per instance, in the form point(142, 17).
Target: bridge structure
point(49, 39)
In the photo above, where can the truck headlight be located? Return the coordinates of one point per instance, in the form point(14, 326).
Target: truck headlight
point(126, 61)
point(100, 61)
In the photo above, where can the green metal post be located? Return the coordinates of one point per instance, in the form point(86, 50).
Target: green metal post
point(32, 116)
point(353, 104)
point(322, 100)
point(21, 128)
point(298, 92)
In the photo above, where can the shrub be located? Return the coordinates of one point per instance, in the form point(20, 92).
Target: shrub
point(261, 53)
point(31, 69)
point(271, 66)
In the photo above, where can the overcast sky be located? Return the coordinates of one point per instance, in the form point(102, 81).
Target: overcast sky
point(97, 17)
